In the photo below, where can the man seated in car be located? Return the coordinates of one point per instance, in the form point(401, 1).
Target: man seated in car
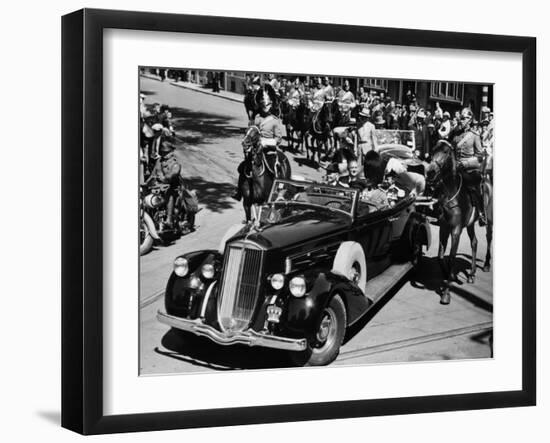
point(353, 178)
point(412, 182)
point(373, 195)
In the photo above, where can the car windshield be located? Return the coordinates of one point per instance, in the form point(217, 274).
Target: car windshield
point(394, 137)
point(333, 197)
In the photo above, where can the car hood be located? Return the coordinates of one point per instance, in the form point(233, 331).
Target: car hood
point(309, 224)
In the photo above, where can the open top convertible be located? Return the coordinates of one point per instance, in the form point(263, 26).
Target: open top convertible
point(317, 259)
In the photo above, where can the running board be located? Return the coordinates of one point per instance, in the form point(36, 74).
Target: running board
point(377, 287)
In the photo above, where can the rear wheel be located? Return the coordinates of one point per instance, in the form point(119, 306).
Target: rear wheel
point(325, 346)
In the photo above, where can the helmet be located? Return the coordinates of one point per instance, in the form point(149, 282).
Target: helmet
point(265, 101)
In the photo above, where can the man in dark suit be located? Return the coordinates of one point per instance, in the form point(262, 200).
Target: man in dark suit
point(421, 135)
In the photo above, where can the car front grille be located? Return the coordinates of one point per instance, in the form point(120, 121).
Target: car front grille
point(240, 286)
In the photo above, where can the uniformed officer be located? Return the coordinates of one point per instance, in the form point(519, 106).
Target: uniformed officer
point(167, 170)
point(347, 102)
point(468, 150)
point(295, 94)
point(271, 135)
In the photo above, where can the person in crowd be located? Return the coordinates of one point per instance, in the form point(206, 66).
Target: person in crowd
point(379, 121)
point(445, 126)
point(421, 135)
point(366, 139)
point(438, 113)
point(362, 96)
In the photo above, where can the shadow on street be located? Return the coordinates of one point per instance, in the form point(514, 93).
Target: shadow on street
point(203, 127)
point(212, 195)
point(200, 351)
point(428, 276)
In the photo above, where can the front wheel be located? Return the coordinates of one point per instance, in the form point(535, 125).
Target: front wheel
point(145, 239)
point(325, 346)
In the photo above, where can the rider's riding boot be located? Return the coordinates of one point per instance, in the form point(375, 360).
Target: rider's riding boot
point(478, 203)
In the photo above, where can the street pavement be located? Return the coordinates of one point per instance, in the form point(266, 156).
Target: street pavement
point(409, 325)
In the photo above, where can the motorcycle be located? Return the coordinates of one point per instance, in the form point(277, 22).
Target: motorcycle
point(154, 227)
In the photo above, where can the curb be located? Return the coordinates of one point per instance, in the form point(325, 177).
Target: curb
point(179, 85)
point(213, 94)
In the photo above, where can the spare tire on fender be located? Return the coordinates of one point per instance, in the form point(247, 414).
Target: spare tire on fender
point(350, 262)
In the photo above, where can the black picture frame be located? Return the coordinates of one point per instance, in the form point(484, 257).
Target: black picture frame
point(82, 219)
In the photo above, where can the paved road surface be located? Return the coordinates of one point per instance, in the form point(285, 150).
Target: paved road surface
point(410, 326)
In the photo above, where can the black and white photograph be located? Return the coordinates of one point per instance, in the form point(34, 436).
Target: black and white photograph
point(303, 219)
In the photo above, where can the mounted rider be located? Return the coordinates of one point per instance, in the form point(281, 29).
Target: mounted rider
point(329, 90)
point(346, 102)
point(319, 96)
point(296, 93)
point(271, 132)
point(468, 151)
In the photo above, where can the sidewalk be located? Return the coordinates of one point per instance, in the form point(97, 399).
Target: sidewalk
point(232, 96)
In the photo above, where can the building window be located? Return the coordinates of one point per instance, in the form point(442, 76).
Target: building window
point(376, 83)
point(447, 91)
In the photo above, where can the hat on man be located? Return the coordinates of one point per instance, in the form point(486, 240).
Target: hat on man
point(364, 112)
point(447, 114)
point(379, 120)
point(485, 109)
point(421, 114)
point(256, 80)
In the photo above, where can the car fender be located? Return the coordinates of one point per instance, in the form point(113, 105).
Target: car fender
point(193, 286)
point(302, 315)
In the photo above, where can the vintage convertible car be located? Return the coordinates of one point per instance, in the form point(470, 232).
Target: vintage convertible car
point(315, 262)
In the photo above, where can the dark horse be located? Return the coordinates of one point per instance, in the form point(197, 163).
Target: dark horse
point(296, 120)
point(457, 213)
point(260, 170)
point(320, 129)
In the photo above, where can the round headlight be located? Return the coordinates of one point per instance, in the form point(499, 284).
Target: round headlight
point(297, 286)
point(277, 281)
point(208, 270)
point(181, 267)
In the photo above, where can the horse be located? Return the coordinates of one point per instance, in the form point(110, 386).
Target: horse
point(320, 128)
point(295, 119)
point(260, 169)
point(250, 105)
point(457, 213)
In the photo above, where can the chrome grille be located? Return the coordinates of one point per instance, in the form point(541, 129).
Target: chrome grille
point(240, 286)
